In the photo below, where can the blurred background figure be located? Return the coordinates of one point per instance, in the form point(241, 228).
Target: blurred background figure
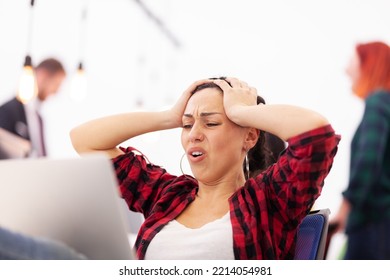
point(364, 213)
point(23, 120)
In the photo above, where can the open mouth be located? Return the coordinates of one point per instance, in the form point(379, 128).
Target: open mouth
point(196, 154)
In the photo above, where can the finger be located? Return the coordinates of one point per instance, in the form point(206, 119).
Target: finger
point(244, 84)
point(234, 82)
point(253, 90)
point(222, 84)
point(237, 83)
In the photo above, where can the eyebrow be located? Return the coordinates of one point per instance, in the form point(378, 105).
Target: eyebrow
point(203, 114)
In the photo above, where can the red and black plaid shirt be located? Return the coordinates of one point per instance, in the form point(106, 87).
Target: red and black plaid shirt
point(264, 213)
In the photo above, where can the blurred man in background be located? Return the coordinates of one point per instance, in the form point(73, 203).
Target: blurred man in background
point(23, 119)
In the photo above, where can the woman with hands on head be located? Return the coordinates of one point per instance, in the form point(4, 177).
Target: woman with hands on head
point(236, 206)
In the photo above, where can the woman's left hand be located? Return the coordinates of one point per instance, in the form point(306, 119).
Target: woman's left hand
point(236, 96)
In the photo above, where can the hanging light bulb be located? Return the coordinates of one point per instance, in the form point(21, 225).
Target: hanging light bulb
point(78, 86)
point(27, 89)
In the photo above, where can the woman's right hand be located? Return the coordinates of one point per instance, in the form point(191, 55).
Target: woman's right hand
point(178, 108)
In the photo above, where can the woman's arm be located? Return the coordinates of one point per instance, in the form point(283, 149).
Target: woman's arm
point(106, 133)
point(285, 121)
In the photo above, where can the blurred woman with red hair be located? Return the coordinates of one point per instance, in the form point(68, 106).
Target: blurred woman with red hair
point(365, 210)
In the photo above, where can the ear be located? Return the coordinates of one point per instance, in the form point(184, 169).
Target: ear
point(251, 138)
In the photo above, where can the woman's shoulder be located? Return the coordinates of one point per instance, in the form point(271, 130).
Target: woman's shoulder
point(378, 102)
point(378, 96)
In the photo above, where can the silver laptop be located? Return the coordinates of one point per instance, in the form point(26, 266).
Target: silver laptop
point(72, 200)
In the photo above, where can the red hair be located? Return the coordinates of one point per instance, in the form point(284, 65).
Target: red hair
point(374, 60)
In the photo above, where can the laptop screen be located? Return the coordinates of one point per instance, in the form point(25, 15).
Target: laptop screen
point(73, 200)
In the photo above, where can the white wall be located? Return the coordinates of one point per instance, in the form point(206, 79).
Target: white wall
point(292, 51)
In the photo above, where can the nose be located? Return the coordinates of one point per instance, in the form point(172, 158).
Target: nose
point(196, 133)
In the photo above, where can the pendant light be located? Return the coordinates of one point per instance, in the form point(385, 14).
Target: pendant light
point(78, 86)
point(28, 89)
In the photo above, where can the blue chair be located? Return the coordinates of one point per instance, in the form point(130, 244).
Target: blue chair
point(311, 236)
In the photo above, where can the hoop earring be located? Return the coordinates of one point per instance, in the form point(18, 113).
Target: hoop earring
point(181, 162)
point(247, 166)
point(181, 168)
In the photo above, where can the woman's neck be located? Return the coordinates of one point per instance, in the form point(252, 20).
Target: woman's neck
point(220, 190)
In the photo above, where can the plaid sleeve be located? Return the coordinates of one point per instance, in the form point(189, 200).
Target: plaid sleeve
point(368, 149)
point(140, 182)
point(296, 180)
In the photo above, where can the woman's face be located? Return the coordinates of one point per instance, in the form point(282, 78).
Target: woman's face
point(353, 69)
point(214, 145)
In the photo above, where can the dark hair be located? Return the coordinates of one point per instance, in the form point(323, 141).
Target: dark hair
point(52, 66)
point(260, 156)
point(275, 145)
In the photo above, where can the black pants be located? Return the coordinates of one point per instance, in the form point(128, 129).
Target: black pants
point(371, 242)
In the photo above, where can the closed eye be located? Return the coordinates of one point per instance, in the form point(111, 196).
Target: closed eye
point(212, 124)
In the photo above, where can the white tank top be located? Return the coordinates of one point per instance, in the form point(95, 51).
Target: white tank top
point(212, 241)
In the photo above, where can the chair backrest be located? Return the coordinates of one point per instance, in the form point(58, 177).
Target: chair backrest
point(311, 236)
